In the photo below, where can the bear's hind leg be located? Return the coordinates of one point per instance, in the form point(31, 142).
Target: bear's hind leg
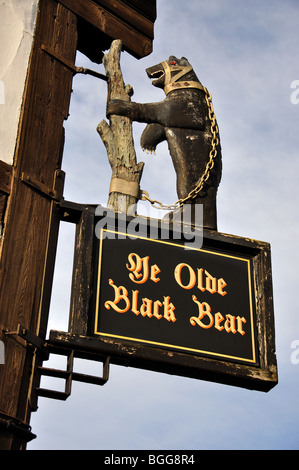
point(209, 212)
point(209, 208)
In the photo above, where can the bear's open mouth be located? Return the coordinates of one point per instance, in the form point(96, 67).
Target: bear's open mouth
point(156, 75)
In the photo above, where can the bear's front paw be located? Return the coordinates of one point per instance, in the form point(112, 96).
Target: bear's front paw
point(152, 135)
point(149, 150)
point(147, 143)
point(118, 107)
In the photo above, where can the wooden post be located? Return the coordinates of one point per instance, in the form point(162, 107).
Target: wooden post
point(118, 140)
point(29, 212)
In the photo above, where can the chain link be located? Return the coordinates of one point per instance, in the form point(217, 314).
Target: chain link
point(212, 156)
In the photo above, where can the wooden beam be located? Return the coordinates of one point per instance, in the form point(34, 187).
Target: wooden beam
point(129, 15)
point(82, 275)
point(135, 42)
point(147, 8)
point(24, 247)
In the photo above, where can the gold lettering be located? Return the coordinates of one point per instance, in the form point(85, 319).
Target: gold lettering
point(221, 285)
point(135, 301)
point(169, 310)
point(218, 319)
point(230, 321)
point(120, 293)
point(154, 271)
point(205, 281)
point(229, 324)
point(200, 280)
point(157, 304)
point(211, 283)
point(192, 276)
point(240, 322)
point(204, 309)
point(146, 308)
point(139, 268)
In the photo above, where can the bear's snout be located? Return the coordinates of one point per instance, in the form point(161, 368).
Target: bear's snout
point(155, 73)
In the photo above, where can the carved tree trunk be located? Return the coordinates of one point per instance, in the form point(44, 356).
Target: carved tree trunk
point(118, 139)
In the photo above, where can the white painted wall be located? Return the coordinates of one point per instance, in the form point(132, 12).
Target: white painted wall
point(17, 22)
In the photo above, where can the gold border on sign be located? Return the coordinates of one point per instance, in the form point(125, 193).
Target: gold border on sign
point(181, 348)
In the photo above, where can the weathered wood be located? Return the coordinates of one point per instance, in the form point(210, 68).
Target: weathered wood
point(147, 8)
point(117, 136)
point(48, 275)
point(129, 15)
point(159, 360)
point(260, 376)
point(5, 183)
point(38, 153)
point(82, 273)
point(135, 42)
point(3, 201)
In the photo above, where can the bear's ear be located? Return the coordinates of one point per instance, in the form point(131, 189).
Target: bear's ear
point(184, 59)
point(173, 58)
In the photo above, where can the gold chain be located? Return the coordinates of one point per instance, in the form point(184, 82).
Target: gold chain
point(213, 153)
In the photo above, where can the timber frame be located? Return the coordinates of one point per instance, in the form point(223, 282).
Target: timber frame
point(32, 186)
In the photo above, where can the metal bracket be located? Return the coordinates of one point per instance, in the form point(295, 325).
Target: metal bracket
point(69, 375)
point(27, 335)
point(30, 338)
point(13, 425)
point(71, 66)
point(52, 193)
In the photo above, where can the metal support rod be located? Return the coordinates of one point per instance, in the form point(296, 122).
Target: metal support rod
point(71, 66)
point(11, 425)
point(91, 72)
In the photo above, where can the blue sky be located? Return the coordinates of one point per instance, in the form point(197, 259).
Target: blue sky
point(246, 54)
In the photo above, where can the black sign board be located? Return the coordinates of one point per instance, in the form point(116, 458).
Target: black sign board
point(202, 310)
point(159, 293)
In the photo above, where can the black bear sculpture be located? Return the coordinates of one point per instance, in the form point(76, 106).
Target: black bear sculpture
point(182, 119)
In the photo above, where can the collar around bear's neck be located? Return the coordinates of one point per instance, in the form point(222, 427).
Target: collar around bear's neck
point(171, 83)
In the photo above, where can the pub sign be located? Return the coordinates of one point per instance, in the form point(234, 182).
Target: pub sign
point(159, 302)
point(202, 310)
point(159, 293)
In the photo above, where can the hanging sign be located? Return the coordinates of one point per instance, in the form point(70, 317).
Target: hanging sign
point(162, 294)
point(163, 301)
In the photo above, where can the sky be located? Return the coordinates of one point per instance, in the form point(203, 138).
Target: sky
point(246, 54)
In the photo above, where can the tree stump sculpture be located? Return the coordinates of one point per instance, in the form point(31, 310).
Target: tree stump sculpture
point(118, 139)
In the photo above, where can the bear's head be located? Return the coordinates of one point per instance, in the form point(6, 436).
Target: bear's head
point(171, 72)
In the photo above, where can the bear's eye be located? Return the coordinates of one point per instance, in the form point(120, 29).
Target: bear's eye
point(172, 63)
